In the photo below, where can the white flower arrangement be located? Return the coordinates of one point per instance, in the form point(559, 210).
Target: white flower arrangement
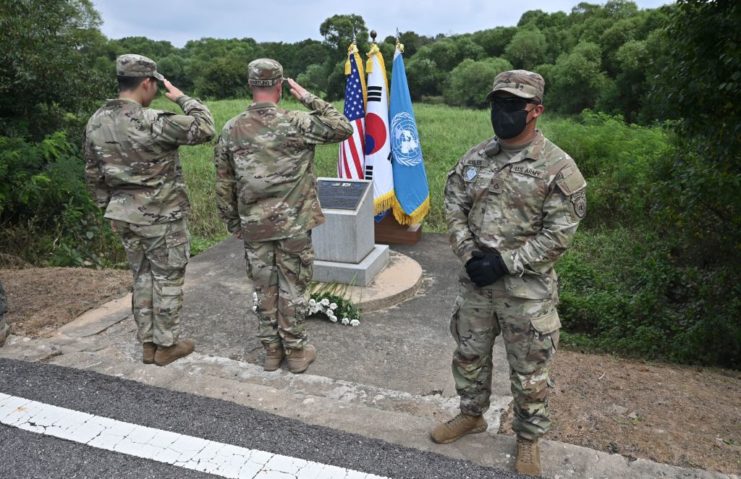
point(329, 301)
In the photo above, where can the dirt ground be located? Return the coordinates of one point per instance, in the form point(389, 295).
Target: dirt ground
point(41, 300)
point(687, 416)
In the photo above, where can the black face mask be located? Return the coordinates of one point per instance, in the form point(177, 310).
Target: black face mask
point(508, 116)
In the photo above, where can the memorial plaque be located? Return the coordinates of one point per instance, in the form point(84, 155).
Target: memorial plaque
point(340, 195)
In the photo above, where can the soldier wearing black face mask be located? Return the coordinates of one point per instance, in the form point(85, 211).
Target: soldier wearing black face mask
point(512, 205)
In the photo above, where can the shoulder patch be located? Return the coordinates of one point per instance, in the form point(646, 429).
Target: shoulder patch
point(579, 203)
point(570, 180)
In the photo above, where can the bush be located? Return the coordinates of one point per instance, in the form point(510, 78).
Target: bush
point(471, 80)
point(46, 213)
point(624, 290)
point(619, 162)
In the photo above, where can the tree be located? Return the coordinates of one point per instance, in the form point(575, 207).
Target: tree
point(495, 40)
point(577, 79)
point(307, 53)
point(443, 52)
point(699, 88)
point(471, 81)
point(48, 57)
point(175, 68)
point(411, 41)
point(153, 49)
point(424, 77)
point(614, 38)
point(527, 48)
point(630, 82)
point(338, 31)
point(536, 18)
point(467, 48)
point(314, 79)
point(223, 77)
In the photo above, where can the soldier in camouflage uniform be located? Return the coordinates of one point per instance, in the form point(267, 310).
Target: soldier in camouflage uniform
point(133, 170)
point(266, 190)
point(512, 204)
point(4, 328)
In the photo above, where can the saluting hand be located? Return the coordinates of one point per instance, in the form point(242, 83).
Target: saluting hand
point(173, 92)
point(296, 90)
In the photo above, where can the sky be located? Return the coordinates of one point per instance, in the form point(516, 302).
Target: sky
point(295, 20)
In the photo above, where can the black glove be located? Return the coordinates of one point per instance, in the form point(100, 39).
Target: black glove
point(485, 268)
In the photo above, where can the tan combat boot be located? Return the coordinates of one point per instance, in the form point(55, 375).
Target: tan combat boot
point(274, 355)
point(166, 355)
point(458, 427)
point(299, 359)
point(528, 457)
point(148, 350)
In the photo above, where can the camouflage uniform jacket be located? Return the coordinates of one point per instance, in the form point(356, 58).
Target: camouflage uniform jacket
point(265, 180)
point(132, 163)
point(527, 207)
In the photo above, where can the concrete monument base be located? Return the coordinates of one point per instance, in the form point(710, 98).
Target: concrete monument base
point(359, 274)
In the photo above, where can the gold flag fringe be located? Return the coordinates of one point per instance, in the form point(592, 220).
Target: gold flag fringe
point(415, 216)
point(384, 202)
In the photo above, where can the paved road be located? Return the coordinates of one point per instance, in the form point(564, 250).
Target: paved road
point(34, 455)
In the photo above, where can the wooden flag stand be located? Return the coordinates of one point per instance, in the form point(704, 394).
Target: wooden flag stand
point(389, 231)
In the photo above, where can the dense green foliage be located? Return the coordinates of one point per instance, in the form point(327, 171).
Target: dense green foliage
point(644, 100)
point(47, 214)
point(50, 80)
point(48, 65)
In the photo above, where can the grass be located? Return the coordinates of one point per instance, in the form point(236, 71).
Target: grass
point(446, 133)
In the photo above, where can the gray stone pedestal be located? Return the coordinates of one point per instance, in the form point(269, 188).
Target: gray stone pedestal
point(344, 245)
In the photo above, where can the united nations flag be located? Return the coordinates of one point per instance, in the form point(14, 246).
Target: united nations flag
point(412, 202)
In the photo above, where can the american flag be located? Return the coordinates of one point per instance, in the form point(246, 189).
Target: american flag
point(352, 151)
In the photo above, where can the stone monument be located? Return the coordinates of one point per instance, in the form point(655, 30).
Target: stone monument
point(344, 247)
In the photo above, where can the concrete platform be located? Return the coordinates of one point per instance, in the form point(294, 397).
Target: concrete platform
point(361, 274)
point(399, 281)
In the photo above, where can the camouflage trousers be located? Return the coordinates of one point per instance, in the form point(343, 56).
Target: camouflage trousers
point(530, 329)
point(280, 272)
point(157, 256)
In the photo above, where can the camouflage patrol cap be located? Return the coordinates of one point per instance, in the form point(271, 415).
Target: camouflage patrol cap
point(264, 72)
point(520, 83)
point(131, 65)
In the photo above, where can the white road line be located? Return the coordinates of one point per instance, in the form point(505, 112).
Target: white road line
point(163, 446)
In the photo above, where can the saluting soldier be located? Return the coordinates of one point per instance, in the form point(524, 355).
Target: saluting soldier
point(133, 170)
point(266, 190)
point(512, 204)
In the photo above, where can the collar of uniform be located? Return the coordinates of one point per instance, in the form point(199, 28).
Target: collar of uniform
point(531, 152)
point(261, 105)
point(122, 100)
point(535, 148)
